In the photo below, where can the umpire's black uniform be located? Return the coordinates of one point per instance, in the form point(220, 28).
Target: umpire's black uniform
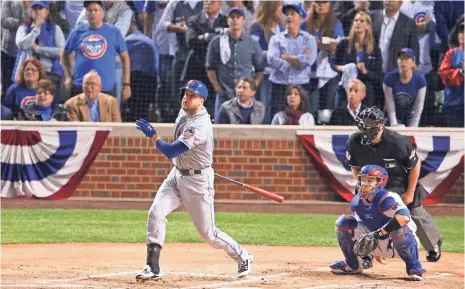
point(397, 155)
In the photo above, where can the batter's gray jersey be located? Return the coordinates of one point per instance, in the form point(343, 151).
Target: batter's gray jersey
point(196, 132)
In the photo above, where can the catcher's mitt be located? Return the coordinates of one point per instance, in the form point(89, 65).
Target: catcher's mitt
point(367, 243)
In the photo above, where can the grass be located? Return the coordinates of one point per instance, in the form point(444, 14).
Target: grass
point(64, 226)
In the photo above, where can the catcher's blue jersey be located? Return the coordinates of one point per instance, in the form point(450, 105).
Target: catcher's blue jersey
point(378, 213)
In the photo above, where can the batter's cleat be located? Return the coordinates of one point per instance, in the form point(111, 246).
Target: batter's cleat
point(435, 255)
point(245, 267)
point(340, 267)
point(148, 274)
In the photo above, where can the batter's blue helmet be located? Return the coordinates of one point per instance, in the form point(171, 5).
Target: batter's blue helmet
point(196, 86)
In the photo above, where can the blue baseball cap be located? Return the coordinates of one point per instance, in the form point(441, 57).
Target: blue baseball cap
point(196, 86)
point(43, 4)
point(236, 9)
point(297, 8)
point(407, 51)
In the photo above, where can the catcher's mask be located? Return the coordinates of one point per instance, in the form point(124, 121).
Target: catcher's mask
point(371, 180)
point(368, 122)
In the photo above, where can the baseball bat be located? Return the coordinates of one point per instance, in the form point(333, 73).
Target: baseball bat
point(261, 192)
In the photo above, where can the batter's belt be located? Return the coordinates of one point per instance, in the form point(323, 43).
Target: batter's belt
point(192, 172)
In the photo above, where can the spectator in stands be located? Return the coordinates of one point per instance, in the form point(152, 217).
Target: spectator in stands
point(119, 14)
point(92, 105)
point(360, 50)
point(6, 113)
point(267, 24)
point(404, 89)
point(249, 7)
point(447, 13)
point(422, 12)
point(451, 72)
point(232, 56)
point(96, 46)
point(345, 11)
point(42, 109)
point(322, 23)
point(452, 38)
point(174, 20)
point(201, 29)
point(144, 75)
point(40, 38)
point(294, 110)
point(290, 56)
point(347, 115)
point(393, 31)
point(24, 90)
point(242, 109)
point(13, 14)
point(71, 11)
point(167, 45)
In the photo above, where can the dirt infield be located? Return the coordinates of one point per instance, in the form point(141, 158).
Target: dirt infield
point(192, 266)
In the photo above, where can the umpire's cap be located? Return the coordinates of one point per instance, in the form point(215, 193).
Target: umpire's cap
point(196, 86)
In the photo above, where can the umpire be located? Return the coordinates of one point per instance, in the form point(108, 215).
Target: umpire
point(375, 144)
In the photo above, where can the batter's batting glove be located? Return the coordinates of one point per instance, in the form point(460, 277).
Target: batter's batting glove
point(146, 128)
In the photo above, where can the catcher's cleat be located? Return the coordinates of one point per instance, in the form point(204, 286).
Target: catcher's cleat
point(245, 267)
point(435, 255)
point(416, 277)
point(148, 274)
point(340, 267)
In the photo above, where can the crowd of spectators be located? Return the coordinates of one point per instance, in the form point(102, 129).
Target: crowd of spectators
point(265, 62)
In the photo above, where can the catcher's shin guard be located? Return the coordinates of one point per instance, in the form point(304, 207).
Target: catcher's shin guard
point(345, 227)
point(407, 247)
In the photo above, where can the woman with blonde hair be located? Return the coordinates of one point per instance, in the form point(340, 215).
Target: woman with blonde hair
point(360, 49)
point(267, 24)
point(295, 109)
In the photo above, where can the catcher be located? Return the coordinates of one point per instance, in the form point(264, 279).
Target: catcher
point(381, 227)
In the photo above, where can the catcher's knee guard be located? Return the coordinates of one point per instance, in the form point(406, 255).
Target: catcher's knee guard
point(407, 247)
point(345, 227)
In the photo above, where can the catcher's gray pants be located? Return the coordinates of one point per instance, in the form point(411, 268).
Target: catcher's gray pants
point(196, 192)
point(427, 230)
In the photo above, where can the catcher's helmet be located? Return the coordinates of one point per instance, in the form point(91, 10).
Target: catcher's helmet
point(196, 86)
point(368, 121)
point(376, 173)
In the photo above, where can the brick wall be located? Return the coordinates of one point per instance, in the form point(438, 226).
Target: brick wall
point(128, 167)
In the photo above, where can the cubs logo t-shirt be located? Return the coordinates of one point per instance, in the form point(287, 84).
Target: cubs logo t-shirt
point(96, 49)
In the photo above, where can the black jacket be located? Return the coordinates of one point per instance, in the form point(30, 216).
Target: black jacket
point(403, 36)
point(197, 26)
point(341, 116)
point(30, 112)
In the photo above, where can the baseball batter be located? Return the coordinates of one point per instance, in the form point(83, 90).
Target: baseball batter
point(190, 182)
point(382, 226)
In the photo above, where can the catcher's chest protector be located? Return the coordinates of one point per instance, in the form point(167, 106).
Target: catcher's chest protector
point(370, 214)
